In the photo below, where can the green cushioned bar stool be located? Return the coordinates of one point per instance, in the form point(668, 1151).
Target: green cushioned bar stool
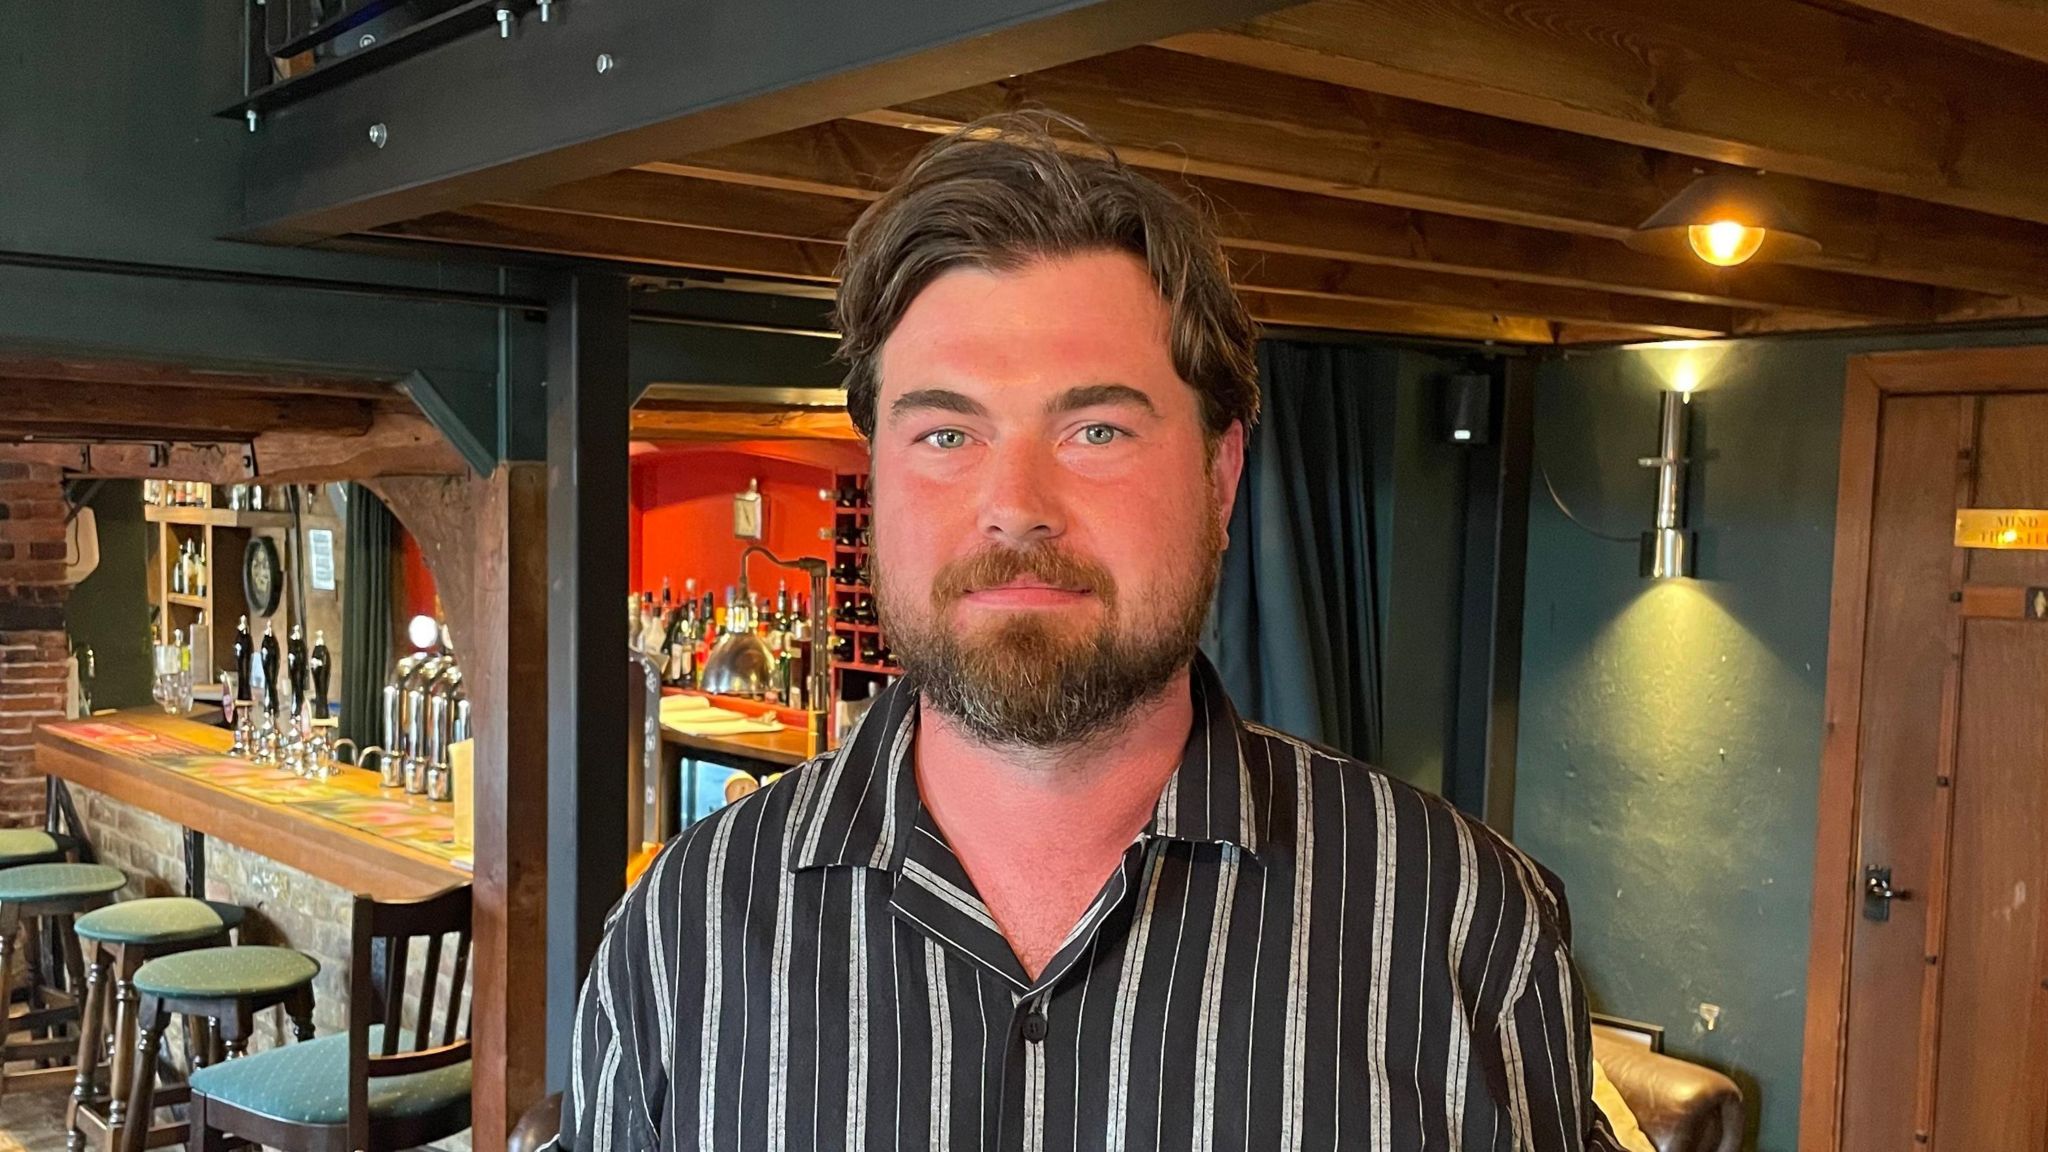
point(32, 846)
point(390, 1082)
point(118, 939)
point(227, 986)
point(52, 895)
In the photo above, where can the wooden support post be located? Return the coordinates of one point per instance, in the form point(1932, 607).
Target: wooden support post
point(507, 670)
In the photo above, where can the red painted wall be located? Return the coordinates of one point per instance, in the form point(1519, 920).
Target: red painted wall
point(412, 588)
point(681, 523)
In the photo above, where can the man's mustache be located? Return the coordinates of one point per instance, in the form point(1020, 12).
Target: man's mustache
point(993, 567)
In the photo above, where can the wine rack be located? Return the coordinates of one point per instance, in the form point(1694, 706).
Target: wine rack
point(861, 660)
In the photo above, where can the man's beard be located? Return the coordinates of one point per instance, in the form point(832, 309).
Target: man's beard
point(1028, 680)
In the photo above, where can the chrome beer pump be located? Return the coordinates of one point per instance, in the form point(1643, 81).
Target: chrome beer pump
point(425, 709)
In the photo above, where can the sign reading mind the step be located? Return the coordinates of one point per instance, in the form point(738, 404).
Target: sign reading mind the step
point(2020, 529)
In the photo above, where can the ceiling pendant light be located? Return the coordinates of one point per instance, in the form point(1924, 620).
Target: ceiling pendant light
point(1725, 219)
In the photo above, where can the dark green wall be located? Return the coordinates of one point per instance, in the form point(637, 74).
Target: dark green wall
point(1670, 732)
point(109, 610)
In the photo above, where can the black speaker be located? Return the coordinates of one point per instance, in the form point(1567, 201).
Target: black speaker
point(1468, 408)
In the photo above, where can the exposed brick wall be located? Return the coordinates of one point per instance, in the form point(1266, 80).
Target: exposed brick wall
point(33, 647)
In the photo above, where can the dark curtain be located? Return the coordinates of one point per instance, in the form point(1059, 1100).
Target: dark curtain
point(1295, 629)
point(365, 616)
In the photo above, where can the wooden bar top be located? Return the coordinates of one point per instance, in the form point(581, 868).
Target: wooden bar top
point(345, 830)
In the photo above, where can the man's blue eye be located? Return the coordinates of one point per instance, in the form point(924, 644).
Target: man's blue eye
point(946, 438)
point(1100, 434)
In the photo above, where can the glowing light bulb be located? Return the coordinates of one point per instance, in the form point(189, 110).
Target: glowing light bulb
point(2009, 536)
point(1724, 243)
point(423, 631)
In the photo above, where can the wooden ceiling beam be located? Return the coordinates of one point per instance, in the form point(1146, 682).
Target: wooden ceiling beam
point(397, 444)
point(34, 365)
point(1288, 275)
point(854, 161)
point(715, 423)
point(2018, 28)
point(148, 411)
point(1443, 304)
point(1222, 120)
point(1796, 88)
point(1397, 319)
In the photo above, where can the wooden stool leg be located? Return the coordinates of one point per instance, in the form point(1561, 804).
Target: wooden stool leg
point(92, 1032)
point(299, 1008)
point(121, 1063)
point(142, 1095)
point(10, 921)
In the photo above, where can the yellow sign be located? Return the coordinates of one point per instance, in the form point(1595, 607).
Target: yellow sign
point(2024, 529)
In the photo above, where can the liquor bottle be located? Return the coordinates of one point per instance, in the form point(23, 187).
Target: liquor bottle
point(267, 656)
point(244, 648)
point(295, 670)
point(651, 631)
point(668, 601)
point(178, 573)
point(197, 581)
point(323, 669)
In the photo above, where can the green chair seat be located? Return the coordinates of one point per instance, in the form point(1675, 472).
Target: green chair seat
point(158, 920)
point(307, 1083)
point(26, 844)
point(32, 883)
point(219, 973)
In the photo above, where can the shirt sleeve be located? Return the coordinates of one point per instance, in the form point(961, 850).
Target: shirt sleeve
point(1547, 1046)
point(618, 1066)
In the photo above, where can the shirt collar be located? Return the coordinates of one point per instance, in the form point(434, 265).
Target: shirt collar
point(860, 806)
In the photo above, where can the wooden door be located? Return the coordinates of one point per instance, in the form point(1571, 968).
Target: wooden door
point(1941, 1025)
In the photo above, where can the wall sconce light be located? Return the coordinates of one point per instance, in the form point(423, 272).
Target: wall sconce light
point(1725, 219)
point(1668, 548)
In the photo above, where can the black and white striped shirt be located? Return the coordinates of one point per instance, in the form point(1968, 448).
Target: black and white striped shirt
point(1299, 953)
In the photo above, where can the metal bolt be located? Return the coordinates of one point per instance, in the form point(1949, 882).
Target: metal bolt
point(379, 134)
point(366, 40)
point(251, 114)
point(605, 63)
point(504, 22)
point(545, 7)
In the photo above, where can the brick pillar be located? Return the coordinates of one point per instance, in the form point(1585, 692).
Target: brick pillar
point(33, 646)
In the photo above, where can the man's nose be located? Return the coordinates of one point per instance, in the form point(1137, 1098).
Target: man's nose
point(1020, 499)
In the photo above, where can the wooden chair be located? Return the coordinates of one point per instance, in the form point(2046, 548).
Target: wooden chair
point(372, 1088)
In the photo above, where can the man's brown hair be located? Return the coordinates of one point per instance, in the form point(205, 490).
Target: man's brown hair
point(1000, 193)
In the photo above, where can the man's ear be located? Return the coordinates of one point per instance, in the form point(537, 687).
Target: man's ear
point(1226, 465)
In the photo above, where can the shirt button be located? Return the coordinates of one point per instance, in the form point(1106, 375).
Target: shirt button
point(1034, 1027)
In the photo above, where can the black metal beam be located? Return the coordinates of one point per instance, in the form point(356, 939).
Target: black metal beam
point(483, 116)
point(587, 737)
point(1479, 761)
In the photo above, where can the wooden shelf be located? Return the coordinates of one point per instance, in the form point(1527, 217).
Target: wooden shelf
point(217, 517)
point(878, 669)
point(189, 601)
point(856, 589)
point(850, 626)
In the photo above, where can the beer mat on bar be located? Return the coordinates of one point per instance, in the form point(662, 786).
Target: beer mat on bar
point(430, 832)
point(128, 739)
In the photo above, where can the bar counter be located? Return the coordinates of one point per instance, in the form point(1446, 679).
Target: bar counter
point(346, 830)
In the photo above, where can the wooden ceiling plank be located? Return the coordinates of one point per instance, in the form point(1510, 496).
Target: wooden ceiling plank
point(2018, 28)
point(1223, 120)
point(1794, 88)
point(1259, 218)
point(640, 195)
point(1278, 276)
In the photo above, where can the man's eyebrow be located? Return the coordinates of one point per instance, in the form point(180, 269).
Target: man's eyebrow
point(1093, 395)
point(941, 399)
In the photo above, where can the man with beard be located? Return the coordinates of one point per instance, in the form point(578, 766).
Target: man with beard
point(1053, 893)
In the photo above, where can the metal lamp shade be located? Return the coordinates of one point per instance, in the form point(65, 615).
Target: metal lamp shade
point(739, 665)
point(1738, 197)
